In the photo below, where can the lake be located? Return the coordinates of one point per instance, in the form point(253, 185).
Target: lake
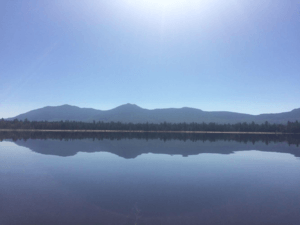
point(136, 179)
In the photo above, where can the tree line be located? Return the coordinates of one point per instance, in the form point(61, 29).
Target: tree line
point(290, 127)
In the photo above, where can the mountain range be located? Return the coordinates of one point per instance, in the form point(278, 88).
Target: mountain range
point(131, 113)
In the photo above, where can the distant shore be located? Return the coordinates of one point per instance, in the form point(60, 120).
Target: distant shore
point(141, 131)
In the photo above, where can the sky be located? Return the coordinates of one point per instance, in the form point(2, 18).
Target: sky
point(234, 55)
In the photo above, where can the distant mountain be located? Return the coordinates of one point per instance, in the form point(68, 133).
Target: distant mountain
point(58, 113)
point(132, 113)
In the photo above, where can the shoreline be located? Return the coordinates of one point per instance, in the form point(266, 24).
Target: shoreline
point(140, 131)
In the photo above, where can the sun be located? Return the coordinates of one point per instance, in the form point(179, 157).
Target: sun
point(159, 4)
point(163, 2)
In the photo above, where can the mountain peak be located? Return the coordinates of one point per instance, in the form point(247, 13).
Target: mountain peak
point(69, 106)
point(296, 110)
point(60, 106)
point(127, 107)
point(130, 104)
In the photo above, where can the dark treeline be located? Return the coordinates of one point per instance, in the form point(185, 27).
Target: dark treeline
point(290, 127)
point(291, 139)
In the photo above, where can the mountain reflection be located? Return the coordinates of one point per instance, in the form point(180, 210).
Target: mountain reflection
point(131, 145)
point(247, 187)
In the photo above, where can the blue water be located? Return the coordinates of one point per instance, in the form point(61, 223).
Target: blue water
point(249, 186)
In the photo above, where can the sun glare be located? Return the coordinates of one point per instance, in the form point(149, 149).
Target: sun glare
point(159, 4)
point(164, 2)
point(174, 13)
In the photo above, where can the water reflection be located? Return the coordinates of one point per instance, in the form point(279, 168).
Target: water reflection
point(131, 145)
point(244, 183)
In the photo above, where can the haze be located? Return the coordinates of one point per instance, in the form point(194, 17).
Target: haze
point(239, 56)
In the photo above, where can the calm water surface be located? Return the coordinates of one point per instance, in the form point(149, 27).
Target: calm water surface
point(139, 181)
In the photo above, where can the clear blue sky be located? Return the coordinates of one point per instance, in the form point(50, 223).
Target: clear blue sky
point(233, 55)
